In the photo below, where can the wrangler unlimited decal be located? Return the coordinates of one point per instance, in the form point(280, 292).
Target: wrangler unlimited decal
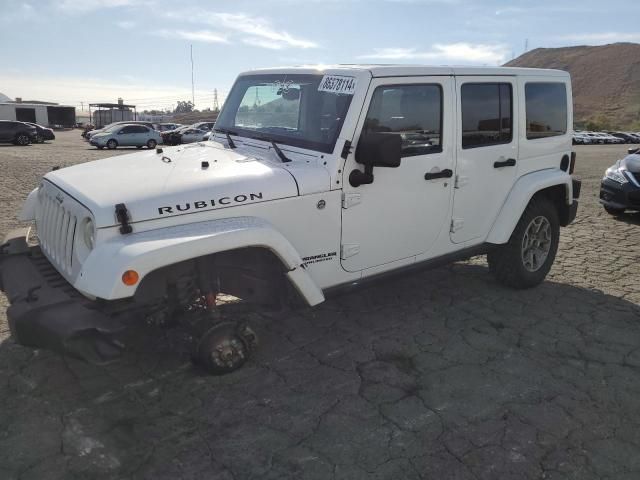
point(184, 207)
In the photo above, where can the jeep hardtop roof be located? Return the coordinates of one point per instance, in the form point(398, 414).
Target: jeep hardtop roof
point(410, 70)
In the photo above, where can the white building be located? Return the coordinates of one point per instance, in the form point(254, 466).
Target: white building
point(47, 114)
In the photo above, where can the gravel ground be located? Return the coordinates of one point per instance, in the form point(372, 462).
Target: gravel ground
point(439, 375)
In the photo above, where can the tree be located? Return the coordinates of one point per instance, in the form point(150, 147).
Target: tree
point(183, 107)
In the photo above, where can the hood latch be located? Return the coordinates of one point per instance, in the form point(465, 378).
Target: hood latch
point(122, 215)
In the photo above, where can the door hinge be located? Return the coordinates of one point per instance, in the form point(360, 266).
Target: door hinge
point(346, 149)
point(456, 224)
point(460, 181)
point(351, 199)
point(349, 250)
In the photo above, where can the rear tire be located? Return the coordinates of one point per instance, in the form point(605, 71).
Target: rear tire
point(151, 144)
point(112, 144)
point(526, 259)
point(614, 211)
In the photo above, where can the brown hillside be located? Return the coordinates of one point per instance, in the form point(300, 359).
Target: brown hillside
point(606, 80)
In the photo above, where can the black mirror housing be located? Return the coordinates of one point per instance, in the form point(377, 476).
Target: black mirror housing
point(379, 150)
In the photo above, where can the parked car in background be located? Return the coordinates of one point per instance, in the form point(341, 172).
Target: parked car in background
point(130, 135)
point(18, 133)
point(191, 135)
point(91, 133)
point(627, 137)
point(580, 138)
point(165, 127)
point(206, 126)
point(173, 137)
point(43, 133)
point(620, 187)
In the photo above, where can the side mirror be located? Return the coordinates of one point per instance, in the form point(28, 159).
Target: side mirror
point(375, 150)
point(379, 150)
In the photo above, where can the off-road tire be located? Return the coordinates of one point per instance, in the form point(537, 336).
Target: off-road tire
point(112, 144)
point(151, 144)
point(506, 262)
point(613, 211)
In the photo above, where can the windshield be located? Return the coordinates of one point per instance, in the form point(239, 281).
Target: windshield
point(295, 110)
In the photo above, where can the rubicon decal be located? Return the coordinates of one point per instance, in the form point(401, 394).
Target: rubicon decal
point(202, 204)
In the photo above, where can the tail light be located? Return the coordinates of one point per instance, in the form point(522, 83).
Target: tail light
point(572, 164)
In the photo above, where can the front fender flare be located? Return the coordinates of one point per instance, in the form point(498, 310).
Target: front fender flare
point(147, 251)
point(520, 196)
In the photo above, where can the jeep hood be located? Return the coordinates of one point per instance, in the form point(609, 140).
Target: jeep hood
point(176, 182)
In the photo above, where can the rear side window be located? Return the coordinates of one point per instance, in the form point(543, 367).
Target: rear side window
point(546, 105)
point(486, 114)
point(413, 111)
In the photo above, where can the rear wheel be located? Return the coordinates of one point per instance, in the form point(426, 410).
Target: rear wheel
point(614, 211)
point(526, 259)
point(112, 144)
point(22, 139)
point(151, 143)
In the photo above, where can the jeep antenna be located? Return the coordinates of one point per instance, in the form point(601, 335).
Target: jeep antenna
point(193, 97)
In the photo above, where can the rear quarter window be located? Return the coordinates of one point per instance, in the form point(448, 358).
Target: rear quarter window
point(546, 107)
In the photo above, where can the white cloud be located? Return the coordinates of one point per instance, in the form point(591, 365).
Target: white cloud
point(81, 6)
point(250, 30)
point(452, 52)
point(207, 36)
point(126, 24)
point(598, 38)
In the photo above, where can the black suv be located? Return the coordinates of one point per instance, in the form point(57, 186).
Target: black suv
point(18, 133)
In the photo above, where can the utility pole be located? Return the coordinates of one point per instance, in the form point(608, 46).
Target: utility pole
point(193, 96)
point(216, 107)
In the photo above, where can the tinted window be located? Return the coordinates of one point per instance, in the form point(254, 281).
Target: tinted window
point(140, 129)
point(413, 111)
point(546, 109)
point(128, 129)
point(486, 114)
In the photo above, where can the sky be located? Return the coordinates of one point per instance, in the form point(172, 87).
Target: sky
point(80, 51)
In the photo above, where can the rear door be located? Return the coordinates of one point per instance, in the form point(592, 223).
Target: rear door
point(126, 135)
point(141, 135)
point(487, 153)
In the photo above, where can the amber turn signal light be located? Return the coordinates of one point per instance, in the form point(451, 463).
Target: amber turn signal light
point(130, 277)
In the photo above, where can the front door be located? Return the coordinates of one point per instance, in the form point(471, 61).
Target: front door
point(401, 213)
point(487, 154)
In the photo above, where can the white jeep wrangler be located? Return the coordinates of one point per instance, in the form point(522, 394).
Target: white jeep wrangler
point(314, 180)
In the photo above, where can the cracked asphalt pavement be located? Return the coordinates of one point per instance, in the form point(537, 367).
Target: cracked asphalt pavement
point(438, 375)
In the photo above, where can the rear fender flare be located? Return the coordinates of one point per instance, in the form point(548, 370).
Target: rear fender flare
point(519, 197)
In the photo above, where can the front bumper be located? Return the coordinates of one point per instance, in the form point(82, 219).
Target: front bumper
point(47, 312)
point(619, 196)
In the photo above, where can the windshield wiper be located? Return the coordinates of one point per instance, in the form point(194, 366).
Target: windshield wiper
point(282, 156)
point(227, 134)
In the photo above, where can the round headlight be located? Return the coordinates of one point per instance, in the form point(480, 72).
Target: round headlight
point(89, 233)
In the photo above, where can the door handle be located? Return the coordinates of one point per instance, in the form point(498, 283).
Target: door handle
point(509, 162)
point(446, 173)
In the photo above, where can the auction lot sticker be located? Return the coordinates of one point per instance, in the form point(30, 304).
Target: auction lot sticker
point(337, 84)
